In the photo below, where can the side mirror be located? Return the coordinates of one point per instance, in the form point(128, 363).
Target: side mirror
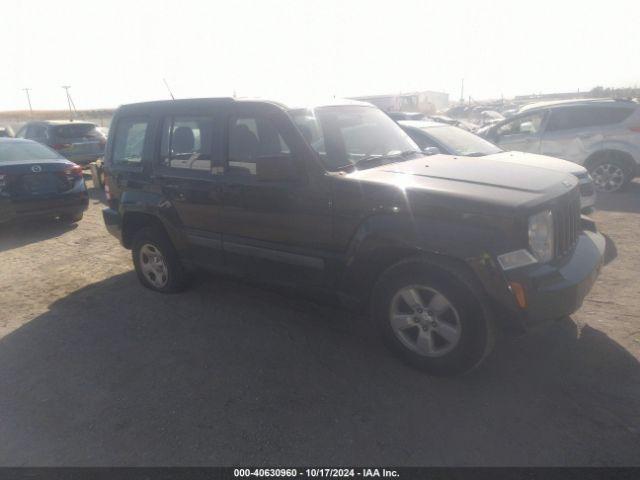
point(275, 168)
point(431, 151)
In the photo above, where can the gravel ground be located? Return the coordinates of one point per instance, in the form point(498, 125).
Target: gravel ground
point(96, 370)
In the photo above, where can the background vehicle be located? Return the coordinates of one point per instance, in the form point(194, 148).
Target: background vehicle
point(337, 198)
point(37, 182)
point(80, 142)
point(454, 141)
point(6, 132)
point(603, 135)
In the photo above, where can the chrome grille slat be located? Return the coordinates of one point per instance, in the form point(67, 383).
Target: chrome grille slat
point(566, 223)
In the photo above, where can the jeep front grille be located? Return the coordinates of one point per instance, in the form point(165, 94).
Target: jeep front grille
point(566, 217)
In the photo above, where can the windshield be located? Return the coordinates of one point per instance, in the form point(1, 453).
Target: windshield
point(19, 151)
point(344, 135)
point(461, 142)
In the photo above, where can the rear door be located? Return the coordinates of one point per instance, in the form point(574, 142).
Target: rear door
point(522, 133)
point(188, 170)
point(275, 228)
point(572, 131)
point(129, 152)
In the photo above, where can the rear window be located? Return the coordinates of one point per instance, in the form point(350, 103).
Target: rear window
point(76, 130)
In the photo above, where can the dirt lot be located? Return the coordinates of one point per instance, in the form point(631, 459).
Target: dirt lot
point(96, 370)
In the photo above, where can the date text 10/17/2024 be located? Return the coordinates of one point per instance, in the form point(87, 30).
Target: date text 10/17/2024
point(316, 472)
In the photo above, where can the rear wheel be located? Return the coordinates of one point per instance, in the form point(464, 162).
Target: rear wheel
point(610, 174)
point(432, 319)
point(156, 261)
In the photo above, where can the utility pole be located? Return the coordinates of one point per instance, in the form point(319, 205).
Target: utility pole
point(28, 100)
point(462, 92)
point(69, 101)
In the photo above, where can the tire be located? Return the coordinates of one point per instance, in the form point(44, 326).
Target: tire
point(450, 354)
point(72, 218)
point(156, 261)
point(610, 174)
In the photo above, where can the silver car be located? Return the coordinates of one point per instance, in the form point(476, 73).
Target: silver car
point(601, 134)
point(433, 138)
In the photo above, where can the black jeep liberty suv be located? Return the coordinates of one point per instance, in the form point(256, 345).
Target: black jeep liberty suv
point(441, 251)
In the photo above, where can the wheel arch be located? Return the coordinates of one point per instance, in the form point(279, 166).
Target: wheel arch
point(612, 153)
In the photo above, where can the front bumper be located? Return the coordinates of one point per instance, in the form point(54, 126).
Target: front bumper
point(551, 290)
point(557, 289)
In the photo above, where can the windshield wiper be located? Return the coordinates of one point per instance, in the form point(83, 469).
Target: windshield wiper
point(372, 158)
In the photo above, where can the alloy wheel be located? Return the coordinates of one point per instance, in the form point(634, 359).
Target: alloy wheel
point(608, 177)
point(153, 265)
point(425, 321)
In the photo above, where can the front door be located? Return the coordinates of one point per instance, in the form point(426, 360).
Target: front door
point(277, 210)
point(521, 133)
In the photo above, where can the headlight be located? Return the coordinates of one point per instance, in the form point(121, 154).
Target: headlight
point(541, 235)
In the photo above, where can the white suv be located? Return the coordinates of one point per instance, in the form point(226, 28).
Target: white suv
point(601, 134)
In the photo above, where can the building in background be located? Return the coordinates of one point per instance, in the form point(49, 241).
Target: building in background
point(425, 101)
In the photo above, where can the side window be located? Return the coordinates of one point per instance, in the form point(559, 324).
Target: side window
point(187, 143)
point(586, 117)
point(129, 138)
point(251, 138)
point(527, 125)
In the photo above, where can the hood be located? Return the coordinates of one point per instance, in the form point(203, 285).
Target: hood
point(480, 181)
point(540, 161)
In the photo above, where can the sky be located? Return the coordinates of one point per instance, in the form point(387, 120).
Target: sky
point(117, 52)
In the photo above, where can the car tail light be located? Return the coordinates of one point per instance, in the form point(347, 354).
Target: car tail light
point(60, 146)
point(635, 129)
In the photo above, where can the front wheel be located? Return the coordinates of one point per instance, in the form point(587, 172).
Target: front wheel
point(432, 319)
point(156, 261)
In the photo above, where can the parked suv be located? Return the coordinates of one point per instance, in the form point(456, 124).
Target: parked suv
point(80, 142)
point(433, 137)
point(337, 198)
point(601, 134)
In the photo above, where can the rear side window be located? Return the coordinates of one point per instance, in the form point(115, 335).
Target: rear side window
point(77, 130)
point(586, 116)
point(187, 143)
point(129, 139)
